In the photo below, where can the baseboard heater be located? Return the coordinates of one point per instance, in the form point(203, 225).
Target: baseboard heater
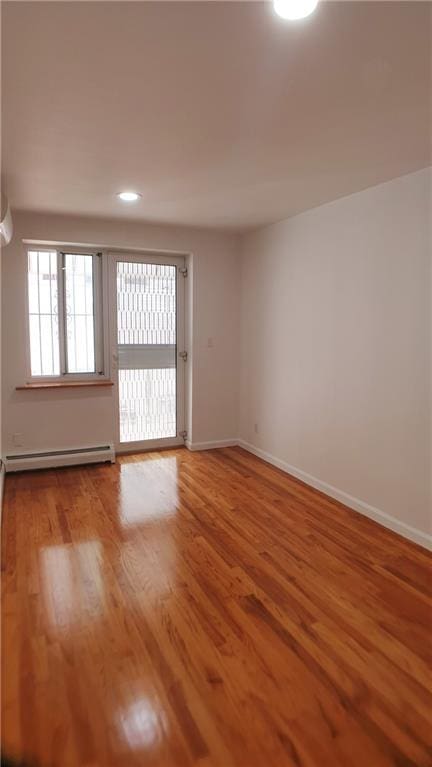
point(54, 458)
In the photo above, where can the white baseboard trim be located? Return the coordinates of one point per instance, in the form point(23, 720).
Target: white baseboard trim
point(2, 479)
point(412, 533)
point(211, 445)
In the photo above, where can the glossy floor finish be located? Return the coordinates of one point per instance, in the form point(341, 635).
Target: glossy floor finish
point(206, 609)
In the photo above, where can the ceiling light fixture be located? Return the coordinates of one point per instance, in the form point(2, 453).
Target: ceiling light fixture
point(294, 9)
point(129, 196)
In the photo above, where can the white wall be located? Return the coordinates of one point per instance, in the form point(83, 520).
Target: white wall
point(1, 451)
point(57, 419)
point(336, 346)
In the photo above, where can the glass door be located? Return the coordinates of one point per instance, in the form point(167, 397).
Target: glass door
point(148, 350)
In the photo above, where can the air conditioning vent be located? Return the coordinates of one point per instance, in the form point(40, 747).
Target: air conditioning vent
point(6, 229)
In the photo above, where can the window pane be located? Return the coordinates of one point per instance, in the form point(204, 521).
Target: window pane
point(79, 302)
point(146, 303)
point(43, 313)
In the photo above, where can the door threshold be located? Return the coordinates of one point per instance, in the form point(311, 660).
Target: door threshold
point(138, 450)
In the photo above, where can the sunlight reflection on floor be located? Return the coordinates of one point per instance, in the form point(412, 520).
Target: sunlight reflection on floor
point(141, 725)
point(72, 584)
point(142, 497)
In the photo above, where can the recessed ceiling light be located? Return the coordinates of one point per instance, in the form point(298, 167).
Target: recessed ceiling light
point(294, 9)
point(129, 196)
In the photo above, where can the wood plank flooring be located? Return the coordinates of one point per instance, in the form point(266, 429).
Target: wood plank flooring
point(182, 609)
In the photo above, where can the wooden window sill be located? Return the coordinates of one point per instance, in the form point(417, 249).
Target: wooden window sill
point(62, 385)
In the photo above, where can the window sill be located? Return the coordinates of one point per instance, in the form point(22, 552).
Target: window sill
point(62, 385)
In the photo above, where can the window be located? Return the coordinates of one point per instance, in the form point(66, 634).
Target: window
point(64, 302)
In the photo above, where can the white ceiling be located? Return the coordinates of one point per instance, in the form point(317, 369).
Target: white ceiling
point(220, 114)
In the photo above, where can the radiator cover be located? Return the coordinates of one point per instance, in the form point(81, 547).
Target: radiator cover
point(55, 458)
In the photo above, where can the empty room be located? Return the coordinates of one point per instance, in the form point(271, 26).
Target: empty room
point(216, 369)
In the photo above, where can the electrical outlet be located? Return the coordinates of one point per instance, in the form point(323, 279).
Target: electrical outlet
point(210, 343)
point(256, 428)
point(17, 440)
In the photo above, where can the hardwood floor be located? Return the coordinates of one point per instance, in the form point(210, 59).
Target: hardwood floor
point(206, 609)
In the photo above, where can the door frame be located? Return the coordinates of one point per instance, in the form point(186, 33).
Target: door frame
point(179, 261)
